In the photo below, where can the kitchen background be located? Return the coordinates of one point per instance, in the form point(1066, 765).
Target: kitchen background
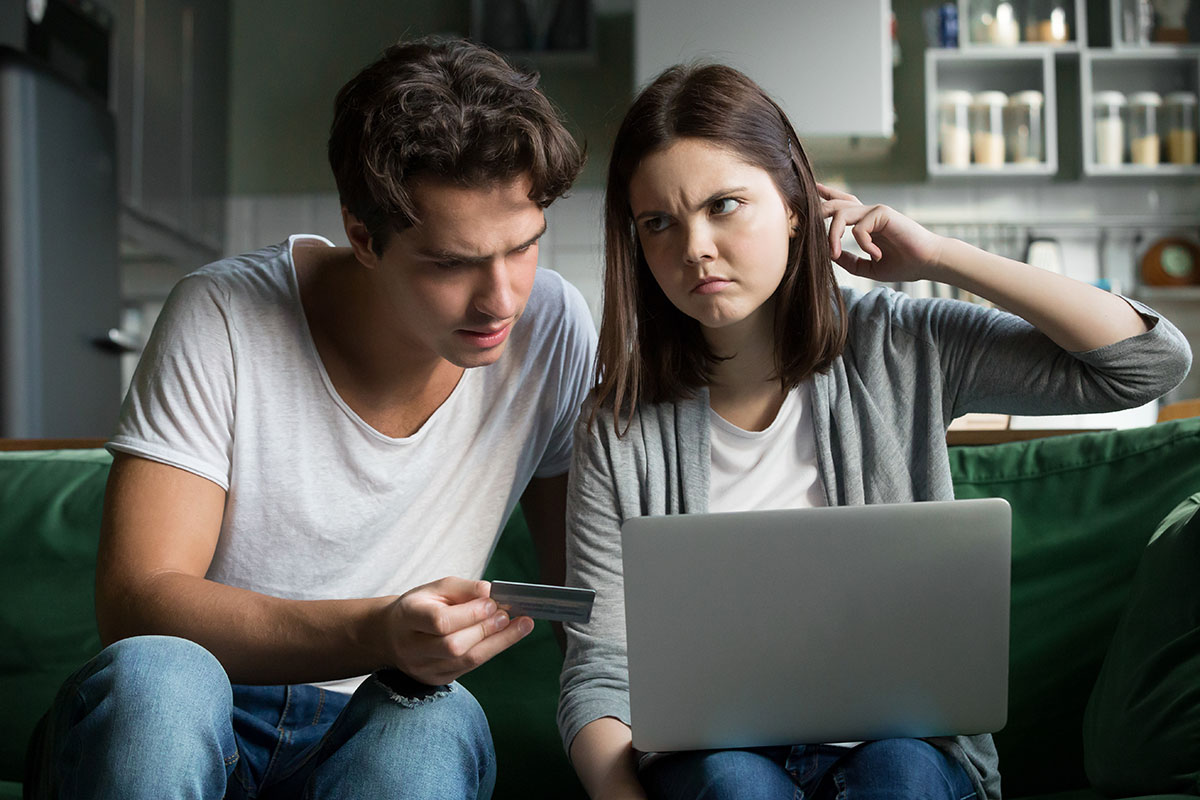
point(220, 111)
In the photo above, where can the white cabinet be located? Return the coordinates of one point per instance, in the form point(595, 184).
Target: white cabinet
point(988, 58)
point(170, 93)
point(975, 71)
point(1110, 143)
point(829, 65)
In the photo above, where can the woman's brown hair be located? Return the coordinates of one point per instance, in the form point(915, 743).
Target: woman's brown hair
point(649, 351)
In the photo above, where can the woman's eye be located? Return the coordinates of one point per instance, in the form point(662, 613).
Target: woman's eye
point(655, 224)
point(725, 205)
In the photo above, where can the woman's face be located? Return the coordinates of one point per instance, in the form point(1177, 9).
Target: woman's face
point(714, 230)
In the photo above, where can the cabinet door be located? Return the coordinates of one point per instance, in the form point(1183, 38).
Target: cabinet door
point(210, 115)
point(165, 170)
point(828, 64)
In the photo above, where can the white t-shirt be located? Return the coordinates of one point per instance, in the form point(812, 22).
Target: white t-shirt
point(772, 468)
point(319, 504)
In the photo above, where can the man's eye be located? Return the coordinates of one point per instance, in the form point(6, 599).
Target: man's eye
point(725, 205)
point(448, 265)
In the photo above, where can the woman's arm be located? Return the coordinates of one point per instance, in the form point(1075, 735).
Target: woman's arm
point(605, 761)
point(1074, 315)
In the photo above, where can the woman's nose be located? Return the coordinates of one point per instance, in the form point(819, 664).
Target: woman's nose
point(699, 246)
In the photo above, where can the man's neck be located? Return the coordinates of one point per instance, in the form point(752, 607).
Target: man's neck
point(391, 385)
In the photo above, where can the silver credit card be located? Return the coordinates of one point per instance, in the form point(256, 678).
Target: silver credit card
point(554, 603)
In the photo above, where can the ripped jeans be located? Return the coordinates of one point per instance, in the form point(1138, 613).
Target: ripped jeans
point(156, 717)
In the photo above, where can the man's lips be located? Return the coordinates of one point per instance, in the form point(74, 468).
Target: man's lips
point(488, 337)
point(710, 285)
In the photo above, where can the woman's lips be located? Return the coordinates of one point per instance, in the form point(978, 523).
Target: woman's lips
point(711, 286)
point(486, 339)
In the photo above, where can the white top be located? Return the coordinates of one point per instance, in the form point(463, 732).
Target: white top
point(990, 98)
point(319, 504)
point(773, 468)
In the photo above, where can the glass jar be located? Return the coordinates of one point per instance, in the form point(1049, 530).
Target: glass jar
point(1108, 109)
point(1179, 119)
point(993, 22)
point(987, 128)
point(954, 128)
point(1145, 143)
point(1047, 22)
point(1023, 130)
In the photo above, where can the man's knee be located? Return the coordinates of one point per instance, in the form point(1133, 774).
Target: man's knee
point(165, 671)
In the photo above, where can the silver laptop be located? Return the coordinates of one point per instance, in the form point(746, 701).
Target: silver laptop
point(817, 625)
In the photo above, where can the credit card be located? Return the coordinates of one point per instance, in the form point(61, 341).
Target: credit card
point(537, 600)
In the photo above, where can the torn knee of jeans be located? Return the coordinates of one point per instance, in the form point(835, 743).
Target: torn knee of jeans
point(408, 692)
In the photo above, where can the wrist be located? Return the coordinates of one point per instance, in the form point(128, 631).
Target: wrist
point(947, 258)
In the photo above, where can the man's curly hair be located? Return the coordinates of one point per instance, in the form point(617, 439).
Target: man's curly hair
point(447, 110)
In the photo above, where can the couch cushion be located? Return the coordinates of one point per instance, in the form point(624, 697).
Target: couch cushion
point(1141, 732)
point(1084, 507)
point(48, 536)
point(518, 690)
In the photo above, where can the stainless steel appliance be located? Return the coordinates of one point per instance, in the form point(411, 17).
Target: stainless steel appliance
point(59, 279)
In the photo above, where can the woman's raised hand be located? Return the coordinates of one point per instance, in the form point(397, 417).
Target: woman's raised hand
point(898, 249)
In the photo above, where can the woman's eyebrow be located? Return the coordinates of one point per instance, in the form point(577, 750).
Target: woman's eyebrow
point(717, 195)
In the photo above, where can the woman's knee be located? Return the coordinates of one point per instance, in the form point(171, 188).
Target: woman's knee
point(913, 767)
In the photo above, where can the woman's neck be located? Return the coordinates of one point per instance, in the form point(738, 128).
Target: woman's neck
point(745, 389)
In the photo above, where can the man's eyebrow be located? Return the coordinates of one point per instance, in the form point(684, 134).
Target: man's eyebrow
point(447, 255)
point(717, 195)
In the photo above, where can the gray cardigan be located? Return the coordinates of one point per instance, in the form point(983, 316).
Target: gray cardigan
point(879, 414)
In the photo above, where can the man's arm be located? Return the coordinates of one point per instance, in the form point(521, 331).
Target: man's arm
point(158, 537)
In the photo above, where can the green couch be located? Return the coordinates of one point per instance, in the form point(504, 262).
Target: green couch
point(1084, 507)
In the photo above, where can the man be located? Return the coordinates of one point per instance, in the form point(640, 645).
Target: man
point(316, 457)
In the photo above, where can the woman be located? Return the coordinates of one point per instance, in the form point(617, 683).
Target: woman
point(734, 374)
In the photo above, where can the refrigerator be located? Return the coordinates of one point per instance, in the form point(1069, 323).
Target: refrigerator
point(60, 345)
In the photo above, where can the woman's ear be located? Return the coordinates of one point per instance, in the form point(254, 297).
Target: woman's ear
point(793, 224)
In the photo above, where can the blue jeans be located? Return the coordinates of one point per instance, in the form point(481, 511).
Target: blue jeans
point(156, 717)
point(889, 768)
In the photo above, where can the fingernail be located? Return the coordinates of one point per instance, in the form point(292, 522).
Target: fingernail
point(501, 621)
point(489, 607)
point(525, 625)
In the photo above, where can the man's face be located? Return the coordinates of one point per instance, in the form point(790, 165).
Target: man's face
point(459, 280)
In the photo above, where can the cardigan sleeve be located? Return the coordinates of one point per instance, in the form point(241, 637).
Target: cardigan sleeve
point(994, 361)
point(595, 679)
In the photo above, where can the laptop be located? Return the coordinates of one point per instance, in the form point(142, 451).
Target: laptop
point(817, 625)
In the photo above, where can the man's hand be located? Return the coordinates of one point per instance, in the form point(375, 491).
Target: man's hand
point(444, 629)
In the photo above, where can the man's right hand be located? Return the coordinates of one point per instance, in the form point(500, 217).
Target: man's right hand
point(442, 630)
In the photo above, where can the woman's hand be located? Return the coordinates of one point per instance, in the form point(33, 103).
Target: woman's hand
point(898, 249)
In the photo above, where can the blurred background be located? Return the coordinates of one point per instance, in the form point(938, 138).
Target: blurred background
point(141, 139)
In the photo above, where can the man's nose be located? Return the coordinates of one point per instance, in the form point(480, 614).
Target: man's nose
point(494, 294)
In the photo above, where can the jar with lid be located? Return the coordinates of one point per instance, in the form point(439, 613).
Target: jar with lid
point(1145, 143)
point(1023, 127)
point(1108, 110)
point(1179, 118)
point(954, 128)
point(1047, 21)
point(987, 128)
point(993, 22)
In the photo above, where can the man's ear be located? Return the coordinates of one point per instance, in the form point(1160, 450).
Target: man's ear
point(360, 239)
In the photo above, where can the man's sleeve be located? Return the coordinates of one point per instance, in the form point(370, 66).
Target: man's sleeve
point(179, 409)
point(574, 356)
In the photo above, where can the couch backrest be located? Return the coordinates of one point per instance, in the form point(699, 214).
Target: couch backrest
point(50, 505)
point(1084, 507)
